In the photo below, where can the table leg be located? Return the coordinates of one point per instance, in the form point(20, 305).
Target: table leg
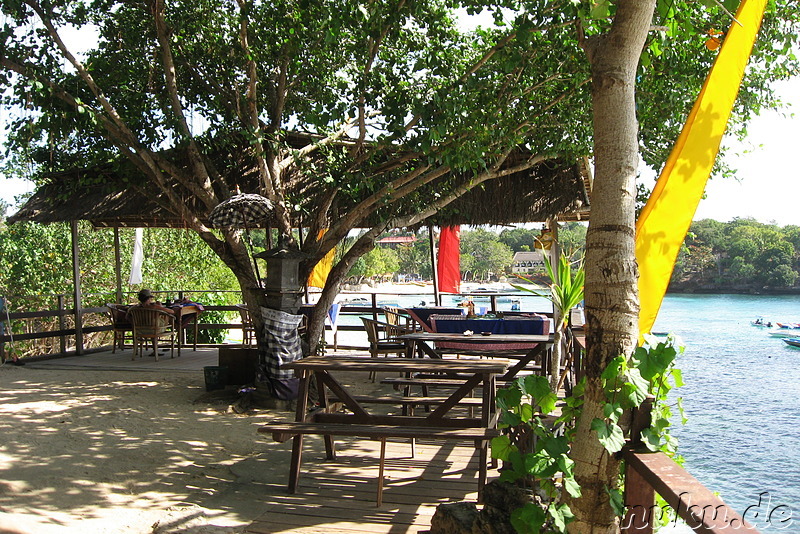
point(297, 441)
point(380, 472)
point(525, 360)
point(487, 420)
point(196, 320)
point(179, 323)
point(482, 469)
point(423, 347)
point(322, 392)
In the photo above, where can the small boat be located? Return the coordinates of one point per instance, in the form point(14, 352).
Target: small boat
point(791, 326)
point(784, 333)
point(792, 341)
point(358, 301)
point(761, 323)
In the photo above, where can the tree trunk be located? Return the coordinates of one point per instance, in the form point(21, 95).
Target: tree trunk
point(558, 350)
point(316, 324)
point(611, 272)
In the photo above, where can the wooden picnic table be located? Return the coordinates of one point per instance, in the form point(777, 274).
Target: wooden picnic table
point(439, 423)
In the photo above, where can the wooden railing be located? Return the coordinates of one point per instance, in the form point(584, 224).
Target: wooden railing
point(73, 329)
point(75, 326)
point(648, 473)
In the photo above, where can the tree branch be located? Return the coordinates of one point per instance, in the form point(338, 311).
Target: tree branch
point(269, 171)
point(457, 192)
point(293, 158)
point(204, 190)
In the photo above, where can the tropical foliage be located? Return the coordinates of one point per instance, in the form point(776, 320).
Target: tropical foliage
point(37, 273)
point(741, 255)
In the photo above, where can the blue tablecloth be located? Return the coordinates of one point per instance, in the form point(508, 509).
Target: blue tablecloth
point(422, 315)
point(332, 316)
point(519, 325)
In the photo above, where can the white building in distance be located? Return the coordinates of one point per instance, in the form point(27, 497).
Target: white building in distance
point(528, 262)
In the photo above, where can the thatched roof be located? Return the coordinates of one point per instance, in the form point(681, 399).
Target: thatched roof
point(117, 197)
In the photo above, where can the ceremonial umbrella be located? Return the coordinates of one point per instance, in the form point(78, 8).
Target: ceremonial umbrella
point(245, 210)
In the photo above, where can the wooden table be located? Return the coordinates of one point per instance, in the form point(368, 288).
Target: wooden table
point(439, 423)
point(425, 343)
point(450, 324)
point(180, 313)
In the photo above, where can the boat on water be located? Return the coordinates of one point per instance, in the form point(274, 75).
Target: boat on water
point(485, 293)
point(784, 332)
point(792, 341)
point(761, 323)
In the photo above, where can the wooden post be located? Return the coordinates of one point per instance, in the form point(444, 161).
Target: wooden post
point(640, 497)
point(437, 296)
point(3, 317)
point(62, 324)
point(78, 297)
point(117, 266)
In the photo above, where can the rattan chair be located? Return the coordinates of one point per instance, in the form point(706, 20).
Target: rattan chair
point(151, 325)
point(395, 317)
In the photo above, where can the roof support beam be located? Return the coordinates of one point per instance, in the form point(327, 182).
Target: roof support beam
point(117, 265)
point(76, 280)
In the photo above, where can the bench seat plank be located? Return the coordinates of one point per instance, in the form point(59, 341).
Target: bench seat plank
point(283, 431)
point(472, 401)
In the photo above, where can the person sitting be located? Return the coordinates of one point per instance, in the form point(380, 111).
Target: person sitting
point(146, 298)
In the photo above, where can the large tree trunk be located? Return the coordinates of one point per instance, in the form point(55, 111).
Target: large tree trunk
point(611, 271)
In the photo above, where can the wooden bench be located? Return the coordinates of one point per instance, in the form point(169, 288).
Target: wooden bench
point(283, 431)
point(425, 381)
point(410, 402)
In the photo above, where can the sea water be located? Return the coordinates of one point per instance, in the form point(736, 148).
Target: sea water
point(742, 400)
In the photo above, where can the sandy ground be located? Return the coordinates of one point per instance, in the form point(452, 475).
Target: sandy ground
point(115, 451)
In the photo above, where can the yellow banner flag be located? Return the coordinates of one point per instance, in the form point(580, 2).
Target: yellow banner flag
point(666, 217)
point(319, 275)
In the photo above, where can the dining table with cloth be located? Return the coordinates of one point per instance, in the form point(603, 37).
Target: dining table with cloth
point(526, 349)
point(422, 314)
point(186, 312)
point(531, 324)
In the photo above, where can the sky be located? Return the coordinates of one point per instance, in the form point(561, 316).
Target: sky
point(767, 184)
point(766, 188)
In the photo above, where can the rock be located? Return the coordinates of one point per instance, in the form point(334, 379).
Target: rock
point(505, 497)
point(454, 518)
point(493, 521)
point(500, 500)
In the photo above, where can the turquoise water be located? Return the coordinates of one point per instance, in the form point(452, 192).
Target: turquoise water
point(742, 399)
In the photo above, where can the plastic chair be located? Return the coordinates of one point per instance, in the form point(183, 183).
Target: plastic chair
point(154, 325)
point(120, 324)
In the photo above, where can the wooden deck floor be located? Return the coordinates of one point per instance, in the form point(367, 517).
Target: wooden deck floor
point(333, 497)
point(340, 496)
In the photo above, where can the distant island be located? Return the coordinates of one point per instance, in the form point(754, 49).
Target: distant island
point(743, 256)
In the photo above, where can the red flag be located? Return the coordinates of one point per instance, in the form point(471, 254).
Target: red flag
point(449, 270)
